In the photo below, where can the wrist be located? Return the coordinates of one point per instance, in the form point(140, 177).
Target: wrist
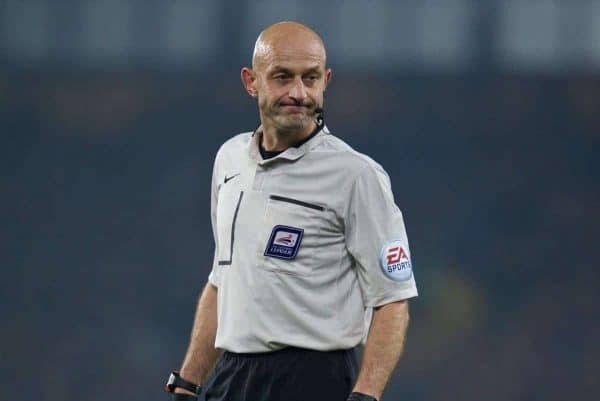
point(180, 390)
point(178, 385)
point(356, 396)
point(184, 397)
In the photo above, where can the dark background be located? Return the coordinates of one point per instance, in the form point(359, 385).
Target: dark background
point(486, 115)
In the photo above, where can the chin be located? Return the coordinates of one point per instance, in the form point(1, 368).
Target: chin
point(293, 124)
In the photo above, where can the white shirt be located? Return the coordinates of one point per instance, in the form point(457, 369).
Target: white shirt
point(306, 243)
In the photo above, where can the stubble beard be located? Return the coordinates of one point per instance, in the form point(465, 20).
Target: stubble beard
point(289, 124)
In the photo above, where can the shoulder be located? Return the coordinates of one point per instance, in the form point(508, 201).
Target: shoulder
point(234, 145)
point(347, 159)
point(235, 142)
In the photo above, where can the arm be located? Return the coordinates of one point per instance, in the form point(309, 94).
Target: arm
point(202, 354)
point(383, 348)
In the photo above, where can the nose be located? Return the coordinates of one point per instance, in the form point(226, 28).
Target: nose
point(298, 90)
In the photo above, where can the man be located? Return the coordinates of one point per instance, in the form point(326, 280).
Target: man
point(311, 251)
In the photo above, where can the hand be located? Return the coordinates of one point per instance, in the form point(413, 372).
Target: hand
point(181, 394)
point(187, 396)
point(180, 390)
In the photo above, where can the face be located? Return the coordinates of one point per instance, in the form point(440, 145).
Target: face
point(289, 83)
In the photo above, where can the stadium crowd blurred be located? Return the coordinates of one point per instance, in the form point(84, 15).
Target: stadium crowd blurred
point(107, 238)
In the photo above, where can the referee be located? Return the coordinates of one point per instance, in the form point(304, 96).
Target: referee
point(311, 254)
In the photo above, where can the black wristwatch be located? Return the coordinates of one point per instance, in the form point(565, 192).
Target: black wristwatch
point(356, 396)
point(177, 381)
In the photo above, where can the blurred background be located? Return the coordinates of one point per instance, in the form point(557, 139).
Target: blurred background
point(486, 114)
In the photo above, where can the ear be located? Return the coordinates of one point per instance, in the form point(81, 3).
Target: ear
point(248, 77)
point(328, 76)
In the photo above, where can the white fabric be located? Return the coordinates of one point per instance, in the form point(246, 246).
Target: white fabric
point(321, 299)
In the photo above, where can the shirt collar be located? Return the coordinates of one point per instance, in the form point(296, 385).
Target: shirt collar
point(291, 153)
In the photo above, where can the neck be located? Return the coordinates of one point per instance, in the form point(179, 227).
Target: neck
point(277, 140)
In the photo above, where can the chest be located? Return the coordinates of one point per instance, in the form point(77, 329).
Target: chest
point(278, 219)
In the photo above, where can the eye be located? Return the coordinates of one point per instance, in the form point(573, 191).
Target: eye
point(310, 80)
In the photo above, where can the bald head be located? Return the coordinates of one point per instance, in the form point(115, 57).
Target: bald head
point(288, 78)
point(284, 38)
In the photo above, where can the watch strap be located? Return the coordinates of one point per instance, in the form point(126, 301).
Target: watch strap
point(356, 396)
point(175, 380)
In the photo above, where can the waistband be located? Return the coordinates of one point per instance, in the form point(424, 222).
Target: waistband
point(285, 352)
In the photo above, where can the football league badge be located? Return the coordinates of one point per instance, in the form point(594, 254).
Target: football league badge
point(284, 242)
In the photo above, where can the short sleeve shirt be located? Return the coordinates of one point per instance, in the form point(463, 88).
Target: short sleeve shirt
point(306, 243)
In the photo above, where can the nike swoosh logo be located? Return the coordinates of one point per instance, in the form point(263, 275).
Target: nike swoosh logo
point(230, 178)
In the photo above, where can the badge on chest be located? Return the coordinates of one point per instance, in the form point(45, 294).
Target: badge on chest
point(284, 242)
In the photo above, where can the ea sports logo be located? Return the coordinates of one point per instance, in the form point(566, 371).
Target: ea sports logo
point(395, 255)
point(395, 261)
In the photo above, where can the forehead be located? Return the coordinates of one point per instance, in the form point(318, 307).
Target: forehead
point(294, 54)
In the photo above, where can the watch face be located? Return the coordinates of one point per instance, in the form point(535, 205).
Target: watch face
point(170, 382)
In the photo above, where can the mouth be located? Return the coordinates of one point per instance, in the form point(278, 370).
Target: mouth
point(292, 108)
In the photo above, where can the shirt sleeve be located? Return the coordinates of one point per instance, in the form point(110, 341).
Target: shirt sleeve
point(214, 276)
point(376, 239)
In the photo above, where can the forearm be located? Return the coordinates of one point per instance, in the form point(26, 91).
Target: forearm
point(383, 348)
point(201, 354)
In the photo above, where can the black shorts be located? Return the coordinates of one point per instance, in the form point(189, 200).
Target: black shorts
point(291, 374)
